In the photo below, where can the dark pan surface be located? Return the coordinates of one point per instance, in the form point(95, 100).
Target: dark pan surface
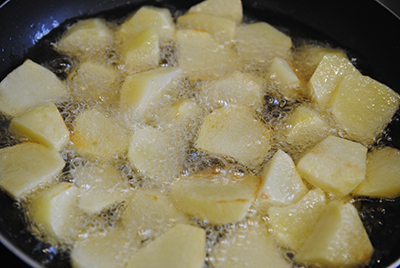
point(368, 31)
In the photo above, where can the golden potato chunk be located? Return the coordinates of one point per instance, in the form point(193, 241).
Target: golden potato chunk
point(230, 9)
point(338, 240)
point(24, 166)
point(363, 107)
point(383, 174)
point(281, 74)
point(28, 86)
point(182, 246)
point(217, 198)
point(335, 165)
point(233, 131)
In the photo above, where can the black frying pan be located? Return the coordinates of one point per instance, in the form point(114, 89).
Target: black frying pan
point(368, 31)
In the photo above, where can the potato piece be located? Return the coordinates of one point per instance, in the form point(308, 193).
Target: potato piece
point(217, 198)
point(96, 82)
point(202, 57)
point(260, 43)
point(28, 86)
point(338, 240)
point(104, 251)
point(230, 9)
point(159, 18)
point(100, 187)
point(235, 88)
point(182, 246)
point(256, 249)
point(182, 113)
point(281, 183)
point(286, 81)
point(154, 153)
point(98, 136)
point(335, 165)
point(233, 131)
point(43, 124)
point(328, 75)
point(86, 37)
point(305, 126)
point(293, 224)
point(140, 92)
point(141, 52)
point(383, 174)
point(221, 29)
point(363, 107)
point(24, 166)
point(53, 210)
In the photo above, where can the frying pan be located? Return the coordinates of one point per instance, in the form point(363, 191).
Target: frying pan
point(365, 29)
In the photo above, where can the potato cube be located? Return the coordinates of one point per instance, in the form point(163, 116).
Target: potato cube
point(43, 124)
point(281, 74)
point(383, 174)
point(98, 136)
point(217, 198)
point(281, 183)
point(235, 88)
point(53, 210)
point(233, 131)
point(24, 166)
point(100, 187)
point(304, 126)
point(141, 52)
point(230, 9)
point(182, 113)
point(328, 75)
point(141, 91)
point(260, 43)
point(256, 249)
point(293, 224)
point(146, 16)
point(335, 165)
point(182, 246)
point(363, 107)
point(221, 29)
point(86, 37)
point(202, 57)
point(338, 240)
point(28, 86)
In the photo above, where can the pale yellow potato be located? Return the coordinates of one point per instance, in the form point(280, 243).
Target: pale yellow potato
point(100, 186)
point(230, 9)
point(43, 124)
point(217, 198)
point(86, 37)
point(111, 249)
point(293, 224)
point(221, 29)
point(27, 86)
point(235, 88)
point(141, 52)
point(98, 136)
point(202, 57)
point(233, 131)
point(363, 107)
point(338, 240)
point(255, 248)
point(281, 74)
point(383, 174)
point(330, 72)
point(335, 165)
point(260, 43)
point(25, 166)
point(142, 91)
point(305, 125)
point(146, 16)
point(53, 210)
point(182, 113)
point(93, 81)
point(281, 182)
point(182, 246)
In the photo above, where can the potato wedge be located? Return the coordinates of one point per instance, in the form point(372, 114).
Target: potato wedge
point(230, 9)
